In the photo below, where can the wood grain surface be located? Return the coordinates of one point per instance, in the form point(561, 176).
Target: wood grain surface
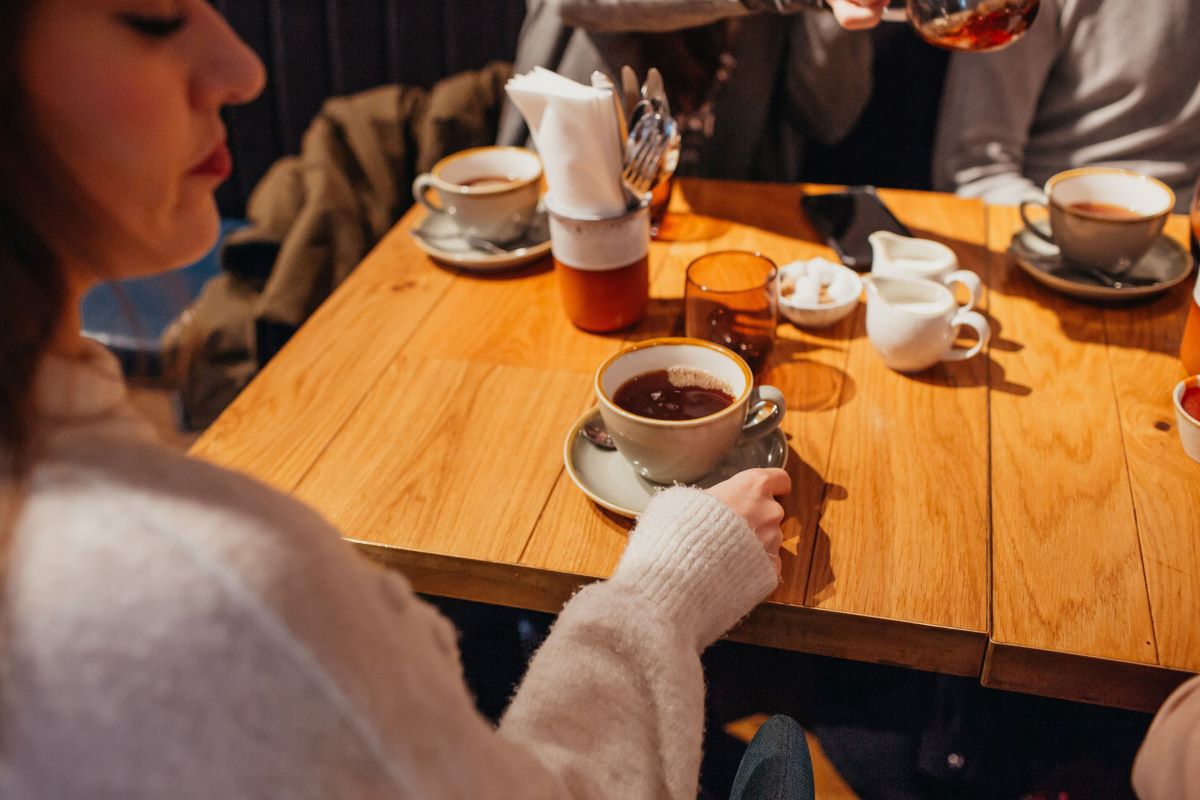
point(1095, 507)
point(1027, 504)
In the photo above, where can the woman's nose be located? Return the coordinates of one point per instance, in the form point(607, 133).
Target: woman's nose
point(230, 73)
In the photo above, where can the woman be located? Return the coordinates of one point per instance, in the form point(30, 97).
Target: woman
point(175, 630)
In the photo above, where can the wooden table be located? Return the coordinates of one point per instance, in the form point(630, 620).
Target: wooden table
point(1024, 518)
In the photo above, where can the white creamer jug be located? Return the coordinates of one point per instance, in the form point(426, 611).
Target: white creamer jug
point(907, 257)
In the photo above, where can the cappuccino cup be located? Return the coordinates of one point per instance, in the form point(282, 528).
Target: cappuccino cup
point(1103, 217)
point(682, 450)
point(913, 323)
point(489, 192)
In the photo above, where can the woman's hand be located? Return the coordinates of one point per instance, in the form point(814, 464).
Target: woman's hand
point(857, 14)
point(751, 494)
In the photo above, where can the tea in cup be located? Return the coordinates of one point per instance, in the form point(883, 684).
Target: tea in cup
point(907, 257)
point(675, 407)
point(489, 192)
point(1102, 217)
point(603, 267)
point(913, 323)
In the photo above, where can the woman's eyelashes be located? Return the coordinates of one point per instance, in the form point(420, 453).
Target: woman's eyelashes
point(157, 27)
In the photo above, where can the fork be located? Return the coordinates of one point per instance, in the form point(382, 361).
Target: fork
point(648, 143)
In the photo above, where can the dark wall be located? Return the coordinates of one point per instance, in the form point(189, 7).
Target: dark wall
point(892, 142)
point(314, 49)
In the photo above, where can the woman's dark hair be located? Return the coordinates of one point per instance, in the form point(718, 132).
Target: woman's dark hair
point(32, 292)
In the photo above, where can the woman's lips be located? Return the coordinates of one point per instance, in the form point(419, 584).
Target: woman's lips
point(218, 164)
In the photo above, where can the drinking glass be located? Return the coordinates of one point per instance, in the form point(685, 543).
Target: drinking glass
point(972, 25)
point(732, 298)
point(1189, 348)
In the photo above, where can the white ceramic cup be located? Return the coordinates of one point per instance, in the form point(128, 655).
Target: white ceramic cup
point(913, 323)
point(679, 451)
point(1095, 239)
point(490, 192)
point(1189, 428)
point(908, 257)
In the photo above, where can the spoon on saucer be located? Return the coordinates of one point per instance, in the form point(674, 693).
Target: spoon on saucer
point(477, 242)
point(594, 431)
point(1120, 281)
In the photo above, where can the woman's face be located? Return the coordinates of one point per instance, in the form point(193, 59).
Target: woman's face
point(125, 97)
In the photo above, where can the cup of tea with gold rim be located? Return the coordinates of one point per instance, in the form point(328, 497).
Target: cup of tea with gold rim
point(489, 192)
point(675, 407)
point(1102, 217)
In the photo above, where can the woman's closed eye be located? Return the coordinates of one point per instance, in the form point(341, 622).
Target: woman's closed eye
point(158, 27)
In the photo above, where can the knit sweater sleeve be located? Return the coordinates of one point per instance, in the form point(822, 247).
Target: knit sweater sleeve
point(240, 649)
point(613, 701)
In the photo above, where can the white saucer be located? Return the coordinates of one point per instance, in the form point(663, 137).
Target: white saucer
point(1166, 264)
point(442, 241)
point(606, 477)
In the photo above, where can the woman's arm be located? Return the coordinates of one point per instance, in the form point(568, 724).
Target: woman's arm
point(612, 704)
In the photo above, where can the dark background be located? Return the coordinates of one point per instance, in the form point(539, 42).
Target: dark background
point(315, 49)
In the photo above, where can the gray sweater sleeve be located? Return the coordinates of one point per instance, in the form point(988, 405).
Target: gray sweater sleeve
point(988, 106)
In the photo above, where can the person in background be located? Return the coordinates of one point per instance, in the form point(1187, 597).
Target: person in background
point(1114, 82)
point(172, 629)
point(749, 81)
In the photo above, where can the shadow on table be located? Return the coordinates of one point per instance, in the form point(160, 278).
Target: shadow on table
point(808, 385)
point(664, 317)
point(964, 374)
point(536, 267)
point(691, 227)
point(776, 208)
point(1154, 324)
point(803, 534)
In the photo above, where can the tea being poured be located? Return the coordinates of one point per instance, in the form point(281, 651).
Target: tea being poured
point(972, 25)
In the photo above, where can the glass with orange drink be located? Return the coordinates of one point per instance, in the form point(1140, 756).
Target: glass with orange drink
point(1189, 349)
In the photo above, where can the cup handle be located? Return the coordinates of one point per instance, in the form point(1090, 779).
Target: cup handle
point(767, 407)
point(420, 189)
point(1029, 225)
point(975, 321)
point(972, 283)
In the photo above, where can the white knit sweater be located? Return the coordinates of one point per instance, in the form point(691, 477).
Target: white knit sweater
point(174, 630)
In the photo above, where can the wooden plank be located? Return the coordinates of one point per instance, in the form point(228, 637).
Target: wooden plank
point(1066, 559)
point(1144, 355)
point(321, 375)
point(452, 457)
point(906, 537)
point(1121, 684)
point(859, 637)
point(511, 318)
